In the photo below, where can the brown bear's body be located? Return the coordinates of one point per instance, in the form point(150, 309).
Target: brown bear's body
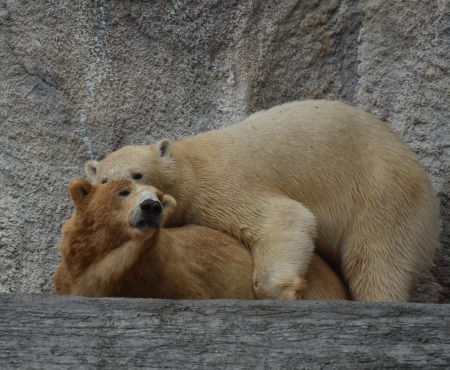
point(299, 173)
point(111, 247)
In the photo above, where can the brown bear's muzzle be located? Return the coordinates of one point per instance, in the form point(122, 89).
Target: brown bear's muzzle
point(148, 215)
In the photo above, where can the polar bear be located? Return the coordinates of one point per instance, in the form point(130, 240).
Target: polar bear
point(296, 175)
point(115, 245)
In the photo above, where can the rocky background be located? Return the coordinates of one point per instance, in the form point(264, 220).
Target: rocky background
point(80, 79)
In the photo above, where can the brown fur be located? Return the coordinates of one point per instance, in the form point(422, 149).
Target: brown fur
point(104, 255)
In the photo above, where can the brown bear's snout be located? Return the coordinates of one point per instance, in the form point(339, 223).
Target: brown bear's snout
point(151, 207)
point(147, 215)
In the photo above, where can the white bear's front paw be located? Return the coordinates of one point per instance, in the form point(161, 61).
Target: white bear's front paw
point(283, 288)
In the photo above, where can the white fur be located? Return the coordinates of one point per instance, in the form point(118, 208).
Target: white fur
point(300, 173)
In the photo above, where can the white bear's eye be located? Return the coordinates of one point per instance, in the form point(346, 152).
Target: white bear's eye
point(136, 176)
point(124, 193)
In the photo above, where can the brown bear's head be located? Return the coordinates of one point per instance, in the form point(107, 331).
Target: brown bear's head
point(123, 209)
point(139, 163)
point(107, 217)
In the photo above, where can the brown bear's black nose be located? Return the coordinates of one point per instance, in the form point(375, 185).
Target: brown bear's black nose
point(151, 207)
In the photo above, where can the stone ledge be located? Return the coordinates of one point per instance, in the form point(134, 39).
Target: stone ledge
point(46, 331)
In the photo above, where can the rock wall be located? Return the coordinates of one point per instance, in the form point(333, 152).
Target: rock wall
point(80, 79)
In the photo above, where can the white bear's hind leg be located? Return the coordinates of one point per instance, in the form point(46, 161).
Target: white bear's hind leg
point(283, 249)
point(385, 268)
point(392, 236)
point(375, 277)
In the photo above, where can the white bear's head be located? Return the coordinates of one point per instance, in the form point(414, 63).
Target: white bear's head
point(139, 163)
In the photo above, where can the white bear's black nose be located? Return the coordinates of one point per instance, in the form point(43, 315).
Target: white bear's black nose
point(151, 207)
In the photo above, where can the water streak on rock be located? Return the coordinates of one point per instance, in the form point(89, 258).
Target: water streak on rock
point(90, 83)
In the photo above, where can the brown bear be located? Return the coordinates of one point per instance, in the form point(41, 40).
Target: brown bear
point(115, 245)
point(295, 176)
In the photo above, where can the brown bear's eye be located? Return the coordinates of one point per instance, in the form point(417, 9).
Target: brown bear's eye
point(124, 193)
point(136, 176)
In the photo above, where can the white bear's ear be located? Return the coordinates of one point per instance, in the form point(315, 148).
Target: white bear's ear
point(164, 148)
point(169, 205)
point(79, 190)
point(91, 169)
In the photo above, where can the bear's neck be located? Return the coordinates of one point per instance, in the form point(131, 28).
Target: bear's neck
point(189, 164)
point(161, 271)
point(107, 271)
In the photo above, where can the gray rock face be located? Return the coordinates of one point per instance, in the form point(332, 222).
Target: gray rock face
point(80, 79)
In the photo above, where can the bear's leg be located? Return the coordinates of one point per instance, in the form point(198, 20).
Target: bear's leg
point(392, 236)
point(282, 249)
point(382, 267)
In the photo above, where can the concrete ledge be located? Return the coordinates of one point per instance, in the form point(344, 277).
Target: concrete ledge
point(45, 331)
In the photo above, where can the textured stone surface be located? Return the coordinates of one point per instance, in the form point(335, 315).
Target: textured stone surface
point(80, 79)
point(54, 332)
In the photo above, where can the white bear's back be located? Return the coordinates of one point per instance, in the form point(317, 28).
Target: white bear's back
point(333, 158)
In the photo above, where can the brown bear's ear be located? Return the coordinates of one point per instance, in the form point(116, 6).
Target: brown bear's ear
point(79, 190)
point(91, 170)
point(169, 204)
point(164, 148)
